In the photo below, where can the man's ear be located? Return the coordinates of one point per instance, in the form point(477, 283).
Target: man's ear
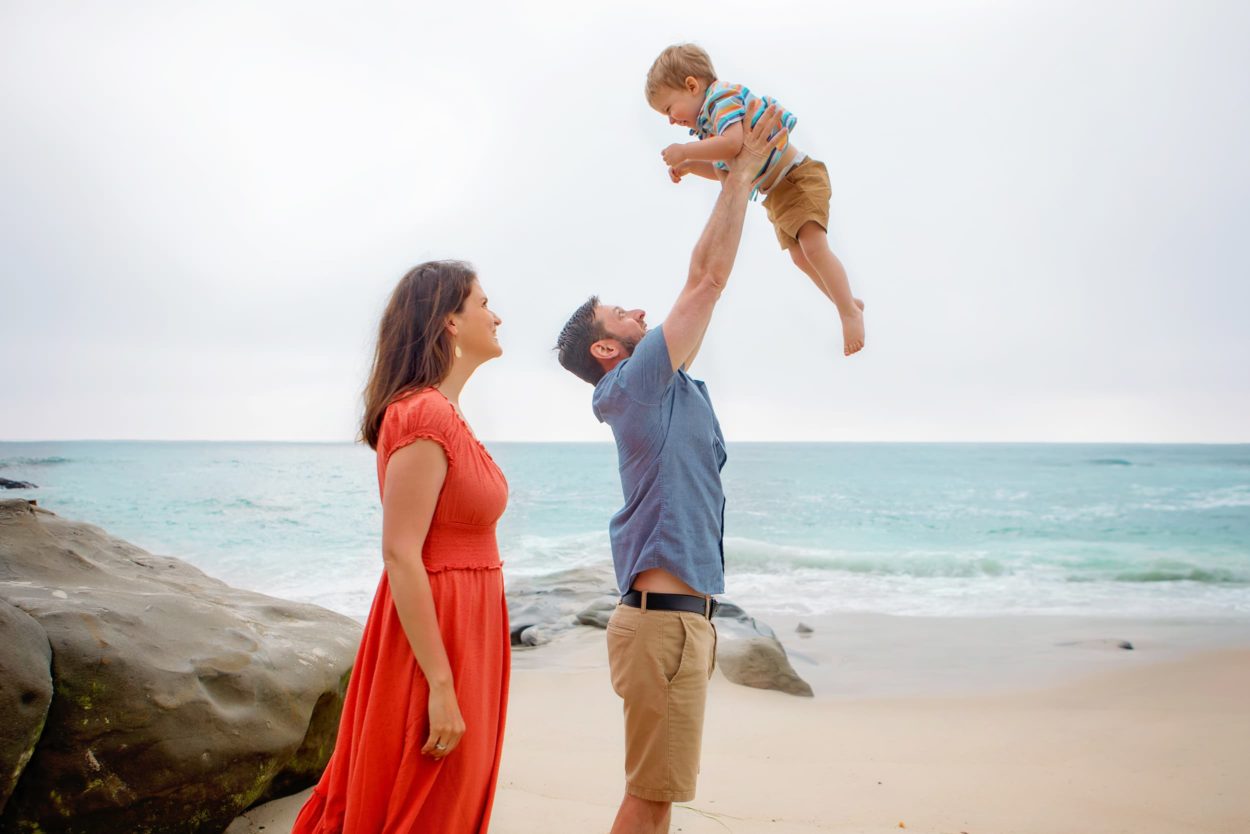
point(605, 349)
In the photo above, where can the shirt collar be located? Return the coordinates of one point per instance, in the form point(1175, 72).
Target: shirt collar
point(702, 123)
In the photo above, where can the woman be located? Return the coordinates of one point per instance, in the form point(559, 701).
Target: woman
point(422, 726)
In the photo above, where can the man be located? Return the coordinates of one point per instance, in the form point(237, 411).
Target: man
point(667, 540)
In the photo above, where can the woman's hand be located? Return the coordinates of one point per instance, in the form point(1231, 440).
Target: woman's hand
point(446, 722)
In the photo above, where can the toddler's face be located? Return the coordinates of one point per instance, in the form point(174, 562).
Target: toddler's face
point(680, 107)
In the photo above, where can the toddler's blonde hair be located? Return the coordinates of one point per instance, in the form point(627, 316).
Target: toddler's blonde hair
point(674, 65)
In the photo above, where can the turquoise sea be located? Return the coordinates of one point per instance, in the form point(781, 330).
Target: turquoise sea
point(906, 529)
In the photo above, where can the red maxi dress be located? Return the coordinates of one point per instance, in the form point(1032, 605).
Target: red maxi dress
point(377, 781)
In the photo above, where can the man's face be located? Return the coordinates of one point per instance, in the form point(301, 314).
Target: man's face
point(625, 326)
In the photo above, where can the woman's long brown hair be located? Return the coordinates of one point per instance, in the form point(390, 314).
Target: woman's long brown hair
point(414, 347)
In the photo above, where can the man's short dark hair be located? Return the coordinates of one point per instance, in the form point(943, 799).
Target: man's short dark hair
point(581, 331)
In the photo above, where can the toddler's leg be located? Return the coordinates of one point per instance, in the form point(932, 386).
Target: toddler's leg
point(800, 260)
point(815, 258)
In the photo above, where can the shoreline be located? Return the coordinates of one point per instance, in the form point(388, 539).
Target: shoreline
point(858, 655)
point(991, 726)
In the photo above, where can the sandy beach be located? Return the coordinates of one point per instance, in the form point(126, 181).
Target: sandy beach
point(944, 726)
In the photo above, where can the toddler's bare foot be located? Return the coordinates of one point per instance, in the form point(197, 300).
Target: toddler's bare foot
point(853, 329)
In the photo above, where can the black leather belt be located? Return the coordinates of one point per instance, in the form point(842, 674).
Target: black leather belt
point(672, 602)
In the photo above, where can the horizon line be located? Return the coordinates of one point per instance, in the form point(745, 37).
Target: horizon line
point(792, 442)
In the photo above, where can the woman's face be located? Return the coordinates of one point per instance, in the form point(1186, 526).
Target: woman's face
point(475, 327)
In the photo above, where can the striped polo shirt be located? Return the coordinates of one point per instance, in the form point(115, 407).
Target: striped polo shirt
point(726, 104)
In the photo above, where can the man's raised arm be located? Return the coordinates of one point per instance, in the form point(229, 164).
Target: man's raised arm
point(714, 254)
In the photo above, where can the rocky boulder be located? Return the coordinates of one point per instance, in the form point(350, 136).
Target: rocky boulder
point(748, 651)
point(5, 483)
point(598, 612)
point(542, 608)
point(25, 692)
point(176, 700)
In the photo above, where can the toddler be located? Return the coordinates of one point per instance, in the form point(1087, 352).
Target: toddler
point(682, 86)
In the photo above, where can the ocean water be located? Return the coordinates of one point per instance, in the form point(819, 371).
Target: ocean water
point(904, 529)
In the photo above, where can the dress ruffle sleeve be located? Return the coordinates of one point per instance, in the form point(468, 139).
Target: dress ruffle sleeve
point(425, 415)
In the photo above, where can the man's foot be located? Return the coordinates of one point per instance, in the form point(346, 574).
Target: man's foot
point(853, 329)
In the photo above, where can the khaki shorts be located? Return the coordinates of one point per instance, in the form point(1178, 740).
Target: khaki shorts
point(661, 662)
point(801, 195)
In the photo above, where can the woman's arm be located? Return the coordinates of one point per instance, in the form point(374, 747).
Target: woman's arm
point(414, 478)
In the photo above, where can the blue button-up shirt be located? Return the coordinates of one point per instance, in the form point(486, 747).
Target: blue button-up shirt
point(670, 450)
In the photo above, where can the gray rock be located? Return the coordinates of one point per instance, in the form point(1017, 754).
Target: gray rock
point(730, 611)
point(25, 693)
point(178, 701)
point(527, 614)
point(749, 653)
point(760, 662)
point(5, 483)
point(542, 608)
point(554, 601)
point(733, 620)
point(598, 612)
point(1103, 643)
point(537, 635)
point(804, 628)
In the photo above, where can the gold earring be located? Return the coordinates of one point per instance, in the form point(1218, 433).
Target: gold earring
point(456, 349)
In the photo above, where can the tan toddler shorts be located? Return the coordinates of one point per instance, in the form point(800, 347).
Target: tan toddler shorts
point(801, 195)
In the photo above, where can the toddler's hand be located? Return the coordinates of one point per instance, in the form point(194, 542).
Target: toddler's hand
point(676, 172)
point(674, 154)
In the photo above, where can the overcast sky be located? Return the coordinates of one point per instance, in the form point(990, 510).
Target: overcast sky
point(1046, 207)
